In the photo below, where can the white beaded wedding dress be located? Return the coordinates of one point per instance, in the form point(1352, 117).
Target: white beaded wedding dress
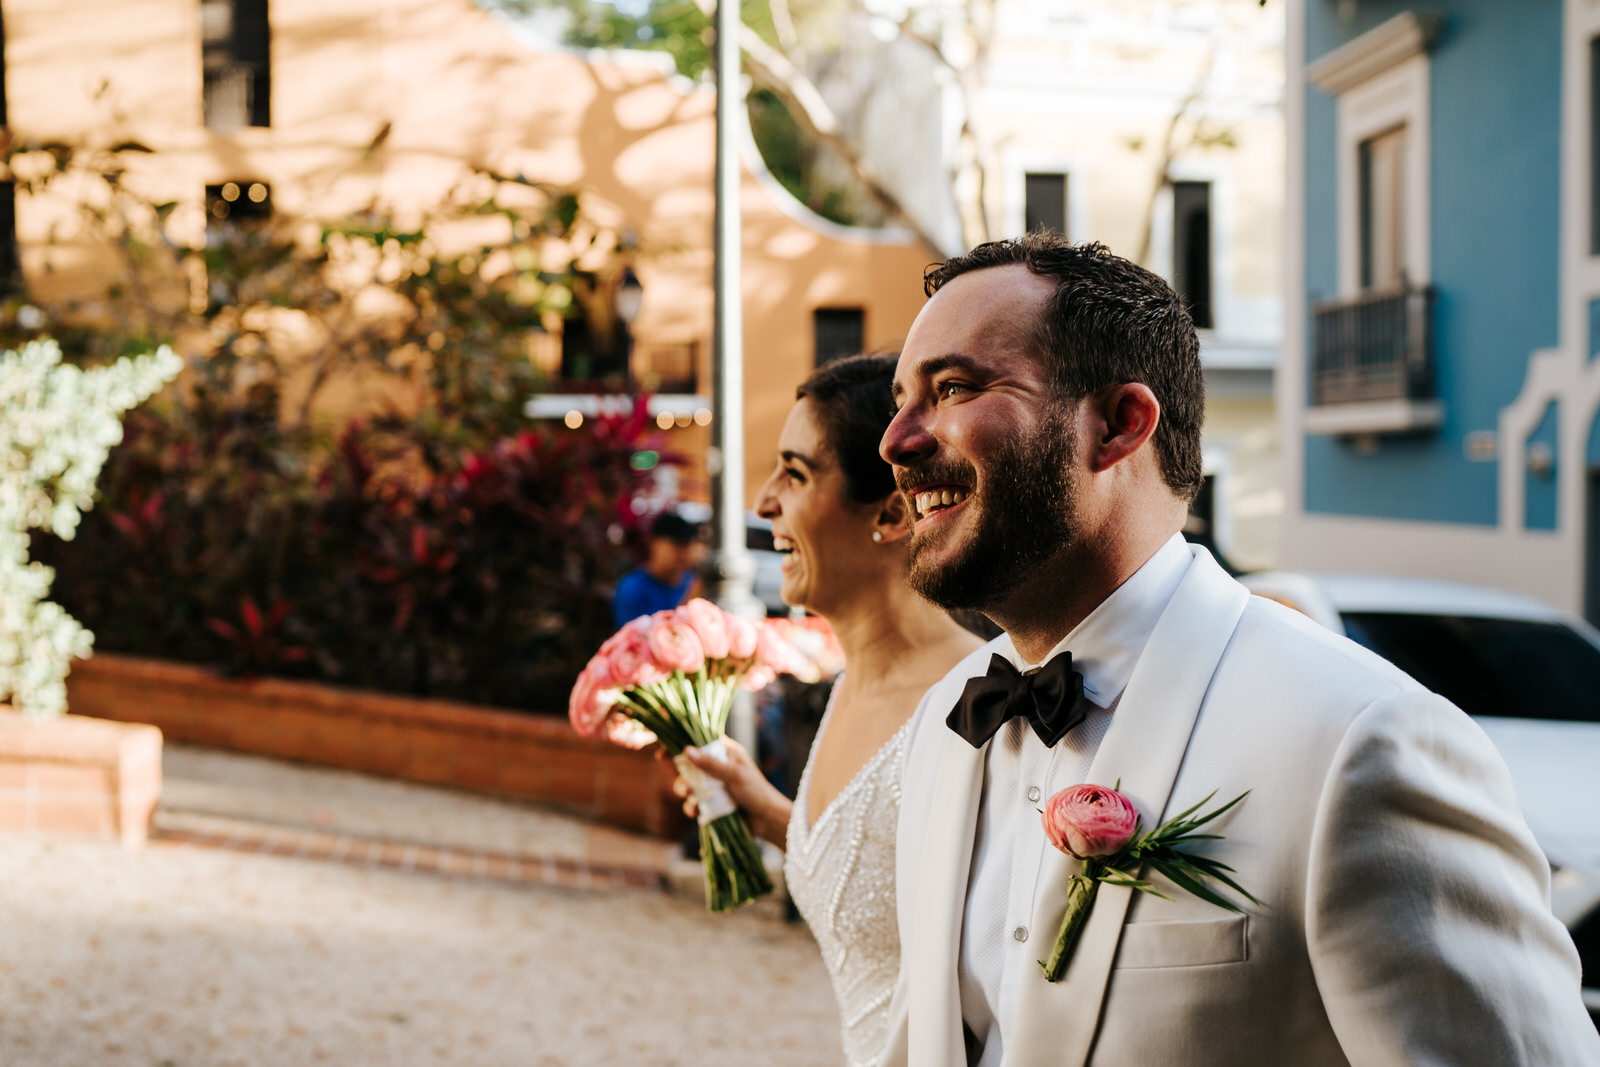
point(840, 874)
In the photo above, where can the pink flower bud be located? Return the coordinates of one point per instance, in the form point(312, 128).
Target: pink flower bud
point(675, 647)
point(758, 678)
point(631, 662)
point(1089, 821)
point(743, 636)
point(710, 625)
point(590, 703)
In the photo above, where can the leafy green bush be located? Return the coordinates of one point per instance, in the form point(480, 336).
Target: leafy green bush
point(382, 559)
point(430, 545)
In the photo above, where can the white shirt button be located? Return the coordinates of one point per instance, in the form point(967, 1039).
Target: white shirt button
point(1020, 933)
point(1033, 792)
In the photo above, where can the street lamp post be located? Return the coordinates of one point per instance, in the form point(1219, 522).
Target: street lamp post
point(734, 566)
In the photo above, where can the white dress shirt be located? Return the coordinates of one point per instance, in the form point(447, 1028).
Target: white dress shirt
point(1021, 774)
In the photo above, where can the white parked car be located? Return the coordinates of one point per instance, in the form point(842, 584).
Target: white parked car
point(1530, 676)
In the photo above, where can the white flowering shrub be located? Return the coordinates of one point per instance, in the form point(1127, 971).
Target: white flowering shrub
point(57, 425)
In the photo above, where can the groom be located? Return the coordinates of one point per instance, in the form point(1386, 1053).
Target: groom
point(1048, 437)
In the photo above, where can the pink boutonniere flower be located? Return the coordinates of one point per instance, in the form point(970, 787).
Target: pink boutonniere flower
point(1100, 826)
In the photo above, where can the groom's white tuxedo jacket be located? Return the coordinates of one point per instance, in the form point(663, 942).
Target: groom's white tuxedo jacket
point(1404, 915)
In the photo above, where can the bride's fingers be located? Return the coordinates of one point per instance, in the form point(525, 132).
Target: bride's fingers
point(680, 788)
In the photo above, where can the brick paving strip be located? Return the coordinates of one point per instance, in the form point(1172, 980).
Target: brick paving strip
point(238, 836)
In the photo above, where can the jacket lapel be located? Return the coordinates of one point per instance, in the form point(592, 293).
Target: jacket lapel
point(1055, 1023)
point(931, 958)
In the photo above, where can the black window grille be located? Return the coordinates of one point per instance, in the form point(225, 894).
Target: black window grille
point(236, 62)
point(836, 333)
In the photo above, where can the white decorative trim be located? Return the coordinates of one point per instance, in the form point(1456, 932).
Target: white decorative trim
point(1374, 52)
point(1397, 97)
point(1386, 416)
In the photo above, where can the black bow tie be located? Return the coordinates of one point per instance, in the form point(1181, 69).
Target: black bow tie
point(1051, 699)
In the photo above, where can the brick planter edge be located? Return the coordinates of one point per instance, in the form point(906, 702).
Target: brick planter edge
point(436, 742)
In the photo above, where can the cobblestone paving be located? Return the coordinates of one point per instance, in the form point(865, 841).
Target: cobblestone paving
point(190, 955)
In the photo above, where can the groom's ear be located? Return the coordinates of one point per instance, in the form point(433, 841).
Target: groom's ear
point(1120, 421)
point(892, 515)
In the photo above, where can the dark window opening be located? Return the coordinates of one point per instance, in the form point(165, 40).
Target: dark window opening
point(1507, 668)
point(1044, 203)
point(10, 259)
point(1191, 248)
point(589, 356)
point(238, 202)
point(837, 332)
point(235, 55)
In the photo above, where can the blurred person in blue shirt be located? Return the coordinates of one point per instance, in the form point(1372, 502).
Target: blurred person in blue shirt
point(667, 576)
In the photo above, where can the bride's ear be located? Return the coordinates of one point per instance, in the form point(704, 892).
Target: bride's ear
point(891, 522)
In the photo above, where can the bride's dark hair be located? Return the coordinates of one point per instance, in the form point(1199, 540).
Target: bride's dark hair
point(854, 402)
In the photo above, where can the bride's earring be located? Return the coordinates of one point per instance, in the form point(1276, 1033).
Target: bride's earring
point(877, 535)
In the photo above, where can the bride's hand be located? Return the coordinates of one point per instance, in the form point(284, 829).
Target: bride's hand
point(767, 809)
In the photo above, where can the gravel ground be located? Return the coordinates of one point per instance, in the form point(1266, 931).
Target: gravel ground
point(182, 957)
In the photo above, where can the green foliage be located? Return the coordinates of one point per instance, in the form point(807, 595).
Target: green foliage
point(437, 548)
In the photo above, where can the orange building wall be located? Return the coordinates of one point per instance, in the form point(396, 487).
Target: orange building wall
point(456, 87)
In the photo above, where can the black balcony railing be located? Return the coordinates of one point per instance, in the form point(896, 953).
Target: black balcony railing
point(1373, 347)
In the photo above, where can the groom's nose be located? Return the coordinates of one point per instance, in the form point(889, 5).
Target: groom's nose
point(908, 440)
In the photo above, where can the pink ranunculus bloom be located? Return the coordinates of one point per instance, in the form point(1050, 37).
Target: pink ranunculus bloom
point(675, 647)
point(710, 625)
point(758, 678)
point(773, 649)
point(743, 637)
point(590, 703)
point(1090, 821)
point(631, 662)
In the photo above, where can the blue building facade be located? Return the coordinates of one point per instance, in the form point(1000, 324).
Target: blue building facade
point(1438, 412)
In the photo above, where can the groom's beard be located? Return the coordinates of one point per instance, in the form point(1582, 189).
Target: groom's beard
point(1022, 518)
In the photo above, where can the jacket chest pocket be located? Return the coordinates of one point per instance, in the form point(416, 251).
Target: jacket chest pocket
point(1196, 943)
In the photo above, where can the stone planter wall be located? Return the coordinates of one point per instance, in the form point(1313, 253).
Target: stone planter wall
point(78, 777)
point(440, 743)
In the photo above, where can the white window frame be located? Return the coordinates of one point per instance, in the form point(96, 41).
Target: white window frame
point(1224, 312)
point(1017, 169)
point(1381, 80)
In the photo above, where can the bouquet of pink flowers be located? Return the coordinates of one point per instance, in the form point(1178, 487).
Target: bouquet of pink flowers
point(671, 677)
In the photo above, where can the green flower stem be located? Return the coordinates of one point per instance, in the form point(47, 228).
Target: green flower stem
point(735, 873)
point(1081, 892)
point(682, 711)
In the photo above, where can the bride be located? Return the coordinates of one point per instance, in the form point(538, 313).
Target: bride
point(836, 515)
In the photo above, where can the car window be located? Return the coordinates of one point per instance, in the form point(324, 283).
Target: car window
point(1511, 668)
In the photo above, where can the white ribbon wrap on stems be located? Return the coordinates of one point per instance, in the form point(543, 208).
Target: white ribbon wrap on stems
point(711, 797)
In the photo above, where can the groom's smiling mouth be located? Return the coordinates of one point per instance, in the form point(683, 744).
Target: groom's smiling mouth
point(936, 499)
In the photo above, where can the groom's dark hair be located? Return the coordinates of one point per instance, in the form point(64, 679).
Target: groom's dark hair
point(1109, 322)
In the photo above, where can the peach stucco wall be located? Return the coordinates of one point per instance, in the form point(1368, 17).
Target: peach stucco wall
point(458, 88)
